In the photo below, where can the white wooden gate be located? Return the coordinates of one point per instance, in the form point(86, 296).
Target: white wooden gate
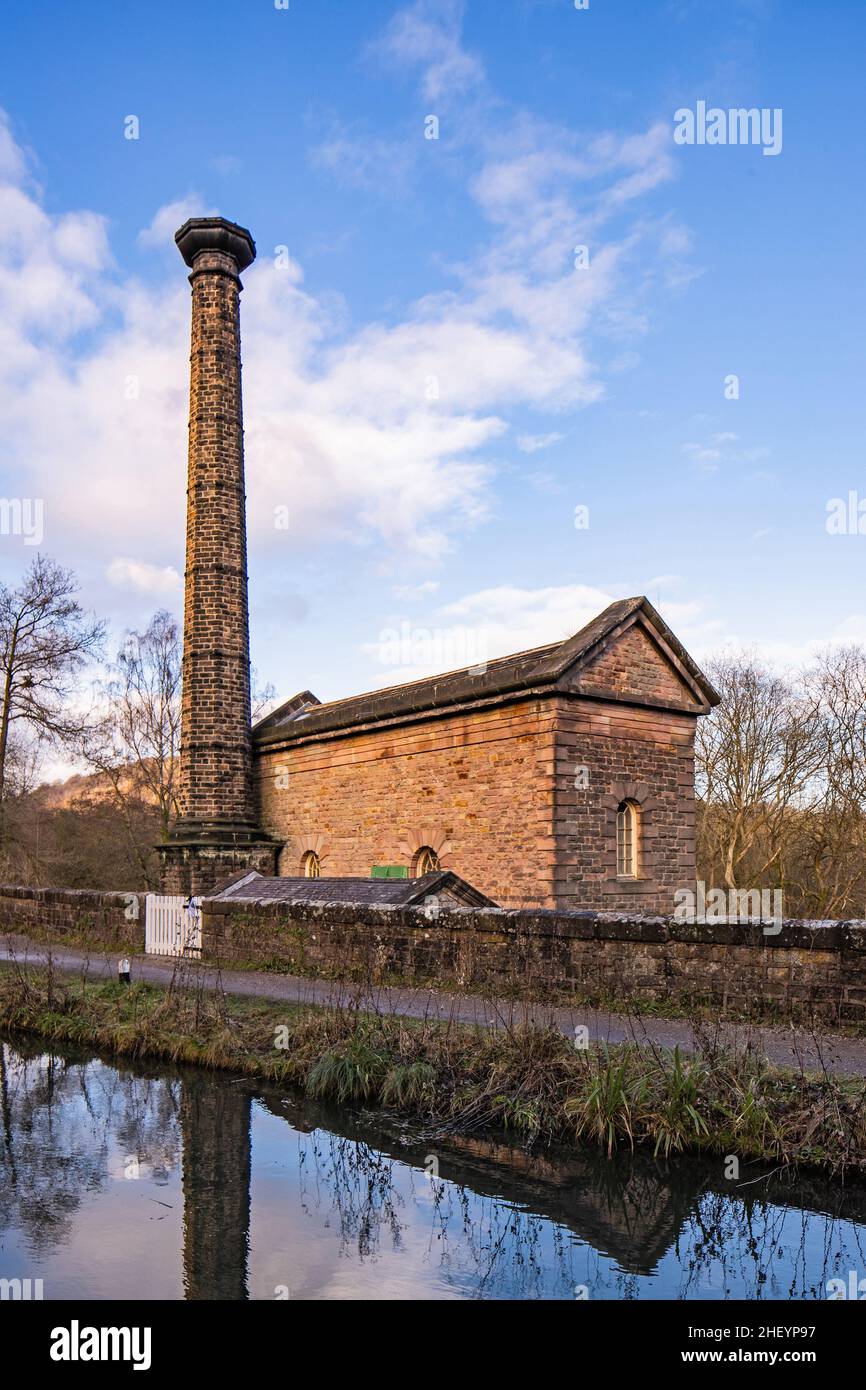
point(172, 926)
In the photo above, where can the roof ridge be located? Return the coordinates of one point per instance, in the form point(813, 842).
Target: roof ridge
point(543, 665)
point(443, 675)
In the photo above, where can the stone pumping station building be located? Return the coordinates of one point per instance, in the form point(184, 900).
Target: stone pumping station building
point(561, 777)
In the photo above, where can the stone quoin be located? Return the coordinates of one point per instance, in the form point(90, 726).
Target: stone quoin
point(561, 777)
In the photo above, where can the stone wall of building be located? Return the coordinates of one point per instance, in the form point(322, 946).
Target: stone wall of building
point(478, 786)
point(608, 753)
point(200, 867)
point(518, 799)
point(102, 920)
point(807, 969)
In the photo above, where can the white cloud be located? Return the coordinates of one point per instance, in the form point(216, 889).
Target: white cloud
point(144, 578)
point(515, 619)
point(705, 456)
point(723, 448)
point(374, 435)
point(344, 432)
point(789, 656)
point(13, 160)
point(363, 160)
point(50, 267)
point(408, 593)
point(427, 34)
point(480, 627)
point(531, 443)
point(166, 220)
point(500, 621)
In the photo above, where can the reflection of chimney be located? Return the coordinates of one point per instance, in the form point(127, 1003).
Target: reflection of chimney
point(215, 1124)
point(216, 833)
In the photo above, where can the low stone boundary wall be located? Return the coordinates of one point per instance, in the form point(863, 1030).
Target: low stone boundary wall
point(100, 920)
point(806, 969)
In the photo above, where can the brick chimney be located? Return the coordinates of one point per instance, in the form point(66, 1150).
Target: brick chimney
point(216, 834)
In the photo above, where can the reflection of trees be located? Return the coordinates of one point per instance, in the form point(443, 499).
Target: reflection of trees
point(355, 1183)
point(767, 1249)
point(69, 1124)
point(483, 1246)
point(502, 1251)
point(507, 1222)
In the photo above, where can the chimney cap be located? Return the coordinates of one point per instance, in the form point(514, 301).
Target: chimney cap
point(215, 234)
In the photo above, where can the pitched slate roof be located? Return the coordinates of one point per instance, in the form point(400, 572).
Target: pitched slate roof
point(367, 892)
point(539, 669)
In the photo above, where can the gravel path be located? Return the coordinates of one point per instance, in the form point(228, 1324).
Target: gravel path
point(791, 1047)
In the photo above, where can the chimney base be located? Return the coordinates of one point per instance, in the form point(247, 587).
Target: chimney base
point(193, 863)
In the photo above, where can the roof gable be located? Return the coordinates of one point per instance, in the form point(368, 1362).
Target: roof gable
point(290, 711)
point(635, 664)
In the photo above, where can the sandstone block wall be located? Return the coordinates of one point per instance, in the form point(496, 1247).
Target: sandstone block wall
point(808, 969)
point(201, 868)
point(607, 754)
point(478, 785)
point(54, 913)
point(520, 800)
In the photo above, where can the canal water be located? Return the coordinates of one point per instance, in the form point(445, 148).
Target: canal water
point(145, 1182)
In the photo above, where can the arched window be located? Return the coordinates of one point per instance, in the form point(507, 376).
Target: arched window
point(311, 865)
point(627, 839)
point(426, 862)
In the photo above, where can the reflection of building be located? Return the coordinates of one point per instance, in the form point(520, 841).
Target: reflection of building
point(559, 777)
point(628, 1208)
point(631, 1208)
point(215, 1124)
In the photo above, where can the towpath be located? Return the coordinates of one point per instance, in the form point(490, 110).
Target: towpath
point(783, 1046)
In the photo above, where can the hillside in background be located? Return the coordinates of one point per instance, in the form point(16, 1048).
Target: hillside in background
point(86, 831)
point(88, 788)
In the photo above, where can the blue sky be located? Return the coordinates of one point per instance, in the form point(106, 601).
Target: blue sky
point(432, 387)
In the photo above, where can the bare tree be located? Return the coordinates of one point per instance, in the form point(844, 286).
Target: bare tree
point(262, 698)
point(46, 639)
point(758, 760)
point(832, 846)
point(838, 686)
point(135, 745)
point(147, 704)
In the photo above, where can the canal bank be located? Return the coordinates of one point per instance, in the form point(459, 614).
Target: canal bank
point(524, 1077)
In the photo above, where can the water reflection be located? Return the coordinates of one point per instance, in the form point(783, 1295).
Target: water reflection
point(68, 1128)
point(147, 1182)
point(215, 1123)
